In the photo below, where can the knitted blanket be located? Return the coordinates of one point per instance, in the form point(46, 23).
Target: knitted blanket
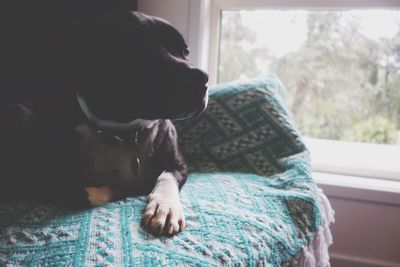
point(249, 201)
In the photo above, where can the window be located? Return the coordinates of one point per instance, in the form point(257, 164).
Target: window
point(341, 68)
point(340, 62)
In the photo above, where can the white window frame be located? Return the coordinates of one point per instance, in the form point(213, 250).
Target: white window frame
point(367, 160)
point(218, 5)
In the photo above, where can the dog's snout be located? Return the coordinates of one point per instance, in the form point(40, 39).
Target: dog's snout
point(199, 77)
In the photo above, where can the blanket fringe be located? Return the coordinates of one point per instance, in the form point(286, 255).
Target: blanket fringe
point(316, 253)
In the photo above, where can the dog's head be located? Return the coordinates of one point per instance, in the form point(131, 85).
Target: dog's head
point(136, 66)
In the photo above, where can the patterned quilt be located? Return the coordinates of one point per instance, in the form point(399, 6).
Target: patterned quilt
point(249, 201)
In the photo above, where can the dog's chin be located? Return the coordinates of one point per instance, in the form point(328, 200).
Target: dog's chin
point(194, 110)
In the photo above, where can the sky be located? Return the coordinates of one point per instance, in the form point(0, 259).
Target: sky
point(285, 31)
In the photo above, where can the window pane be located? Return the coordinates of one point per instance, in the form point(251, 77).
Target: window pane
point(341, 68)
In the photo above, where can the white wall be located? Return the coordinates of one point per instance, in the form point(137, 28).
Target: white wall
point(367, 228)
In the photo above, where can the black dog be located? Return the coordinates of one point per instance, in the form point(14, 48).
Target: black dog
point(104, 133)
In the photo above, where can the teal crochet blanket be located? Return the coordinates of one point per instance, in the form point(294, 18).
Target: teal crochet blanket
point(250, 199)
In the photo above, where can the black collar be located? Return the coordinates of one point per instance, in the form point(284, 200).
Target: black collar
point(117, 134)
point(111, 126)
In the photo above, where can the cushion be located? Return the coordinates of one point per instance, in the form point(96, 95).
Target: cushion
point(246, 128)
point(249, 200)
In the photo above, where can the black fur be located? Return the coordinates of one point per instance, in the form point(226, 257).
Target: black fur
point(126, 65)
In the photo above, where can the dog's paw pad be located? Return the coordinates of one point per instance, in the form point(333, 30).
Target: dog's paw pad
point(98, 196)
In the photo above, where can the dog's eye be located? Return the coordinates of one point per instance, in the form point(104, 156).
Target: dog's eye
point(181, 52)
point(185, 52)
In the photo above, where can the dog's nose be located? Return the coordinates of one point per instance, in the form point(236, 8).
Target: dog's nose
point(198, 76)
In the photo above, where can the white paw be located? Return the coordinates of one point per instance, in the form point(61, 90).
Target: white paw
point(163, 214)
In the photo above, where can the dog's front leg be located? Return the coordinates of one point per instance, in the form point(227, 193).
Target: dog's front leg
point(164, 212)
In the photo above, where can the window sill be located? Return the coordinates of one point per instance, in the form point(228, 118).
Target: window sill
point(355, 159)
point(359, 188)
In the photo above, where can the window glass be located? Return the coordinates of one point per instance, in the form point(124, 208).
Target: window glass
point(341, 69)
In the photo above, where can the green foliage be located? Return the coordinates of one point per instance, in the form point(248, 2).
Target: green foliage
point(374, 130)
point(340, 84)
point(237, 58)
point(373, 76)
